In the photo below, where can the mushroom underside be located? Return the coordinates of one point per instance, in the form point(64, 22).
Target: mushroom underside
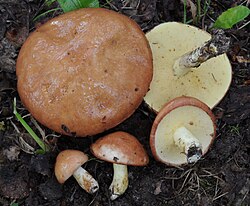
point(208, 83)
point(194, 120)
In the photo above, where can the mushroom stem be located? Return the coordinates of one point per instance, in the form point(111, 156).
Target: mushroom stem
point(185, 139)
point(120, 181)
point(217, 45)
point(86, 181)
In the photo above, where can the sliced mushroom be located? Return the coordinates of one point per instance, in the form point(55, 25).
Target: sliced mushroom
point(68, 163)
point(208, 83)
point(182, 132)
point(121, 149)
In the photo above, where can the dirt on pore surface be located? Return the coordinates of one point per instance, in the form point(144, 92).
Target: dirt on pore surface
point(220, 178)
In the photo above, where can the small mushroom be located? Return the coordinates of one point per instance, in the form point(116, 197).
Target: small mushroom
point(169, 43)
point(121, 149)
point(182, 132)
point(68, 163)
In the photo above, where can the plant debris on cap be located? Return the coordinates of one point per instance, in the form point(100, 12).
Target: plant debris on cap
point(182, 132)
point(85, 71)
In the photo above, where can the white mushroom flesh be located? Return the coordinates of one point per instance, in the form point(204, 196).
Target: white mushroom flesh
point(120, 181)
point(195, 120)
point(86, 181)
point(208, 83)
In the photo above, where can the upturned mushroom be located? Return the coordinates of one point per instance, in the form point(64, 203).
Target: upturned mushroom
point(187, 61)
point(85, 71)
point(68, 163)
point(121, 149)
point(182, 131)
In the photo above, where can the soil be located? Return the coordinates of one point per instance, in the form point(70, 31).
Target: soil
point(221, 178)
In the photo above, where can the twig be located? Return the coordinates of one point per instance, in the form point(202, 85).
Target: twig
point(244, 25)
point(184, 182)
point(217, 45)
point(216, 198)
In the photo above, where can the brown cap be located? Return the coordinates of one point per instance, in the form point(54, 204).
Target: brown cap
point(120, 148)
point(85, 71)
point(67, 162)
point(186, 112)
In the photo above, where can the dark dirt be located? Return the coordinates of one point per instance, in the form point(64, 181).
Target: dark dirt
point(221, 178)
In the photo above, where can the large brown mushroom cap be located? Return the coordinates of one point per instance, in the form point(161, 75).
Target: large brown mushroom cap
point(67, 162)
point(181, 111)
point(120, 148)
point(85, 71)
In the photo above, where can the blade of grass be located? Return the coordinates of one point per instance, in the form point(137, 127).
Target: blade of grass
point(41, 144)
point(198, 11)
point(185, 11)
point(71, 5)
point(46, 12)
point(206, 7)
point(49, 2)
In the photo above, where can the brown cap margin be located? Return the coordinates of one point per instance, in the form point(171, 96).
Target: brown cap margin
point(120, 148)
point(67, 162)
point(170, 106)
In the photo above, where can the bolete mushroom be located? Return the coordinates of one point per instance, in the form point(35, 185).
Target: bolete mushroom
point(182, 131)
point(85, 71)
point(68, 163)
point(121, 149)
point(170, 42)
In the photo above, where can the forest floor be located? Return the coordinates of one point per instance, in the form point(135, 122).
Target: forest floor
point(221, 178)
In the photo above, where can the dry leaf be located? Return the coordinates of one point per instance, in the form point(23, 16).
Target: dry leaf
point(241, 59)
point(192, 7)
point(12, 153)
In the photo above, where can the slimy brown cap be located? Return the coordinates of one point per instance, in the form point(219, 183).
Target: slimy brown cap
point(85, 71)
point(120, 148)
point(67, 162)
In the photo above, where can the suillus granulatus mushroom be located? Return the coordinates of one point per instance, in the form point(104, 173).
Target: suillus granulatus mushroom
point(121, 149)
point(85, 71)
point(182, 131)
point(172, 44)
point(68, 163)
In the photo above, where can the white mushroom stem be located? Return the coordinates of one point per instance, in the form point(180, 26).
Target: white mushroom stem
point(217, 45)
point(120, 181)
point(85, 180)
point(183, 138)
